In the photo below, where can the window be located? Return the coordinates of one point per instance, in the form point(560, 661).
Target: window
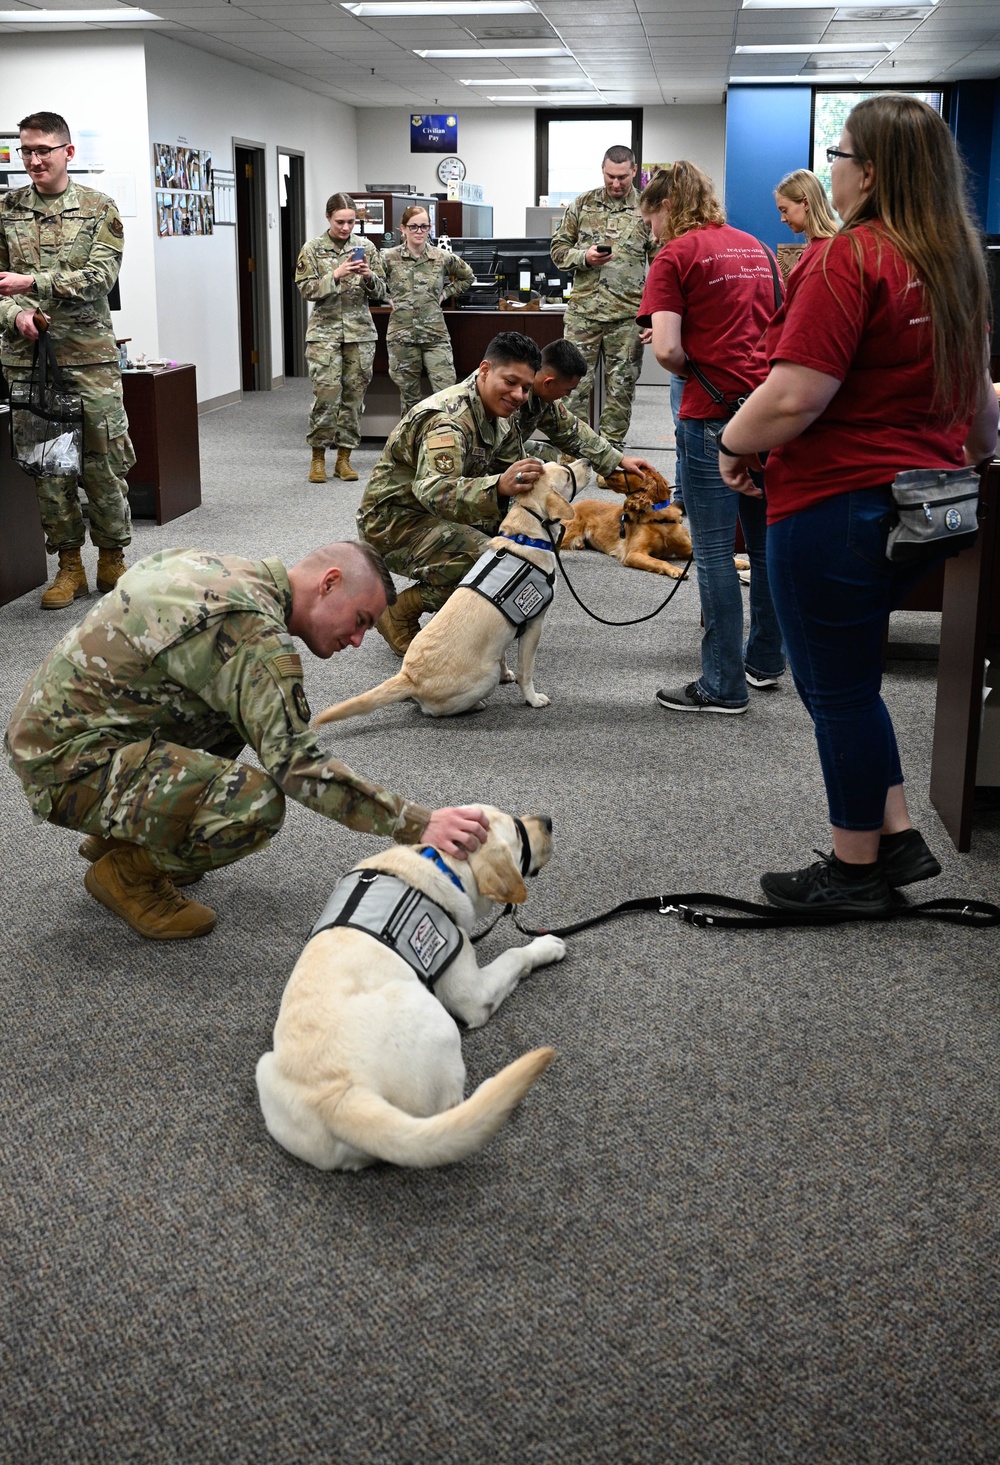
point(570, 143)
point(830, 111)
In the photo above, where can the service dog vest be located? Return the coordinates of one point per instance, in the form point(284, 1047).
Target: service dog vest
point(400, 916)
point(519, 589)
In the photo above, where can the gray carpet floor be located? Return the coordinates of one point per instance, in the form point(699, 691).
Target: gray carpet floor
point(750, 1215)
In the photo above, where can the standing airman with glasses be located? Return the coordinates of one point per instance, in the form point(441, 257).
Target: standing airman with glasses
point(60, 252)
point(420, 278)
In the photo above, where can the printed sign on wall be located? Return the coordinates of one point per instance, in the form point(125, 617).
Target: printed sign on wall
point(436, 134)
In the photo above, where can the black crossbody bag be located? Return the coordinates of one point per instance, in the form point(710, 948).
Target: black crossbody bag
point(731, 405)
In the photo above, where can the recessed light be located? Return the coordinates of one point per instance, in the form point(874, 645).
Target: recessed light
point(553, 97)
point(372, 8)
point(797, 80)
point(76, 17)
point(487, 53)
point(527, 81)
point(846, 49)
point(834, 4)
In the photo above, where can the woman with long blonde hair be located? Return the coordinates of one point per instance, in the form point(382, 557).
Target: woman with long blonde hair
point(878, 365)
point(804, 206)
point(710, 292)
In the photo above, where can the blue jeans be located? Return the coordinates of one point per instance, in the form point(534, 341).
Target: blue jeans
point(712, 511)
point(680, 470)
point(833, 589)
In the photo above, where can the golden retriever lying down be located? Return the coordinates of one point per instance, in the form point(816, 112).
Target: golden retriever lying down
point(367, 1062)
point(455, 661)
point(645, 533)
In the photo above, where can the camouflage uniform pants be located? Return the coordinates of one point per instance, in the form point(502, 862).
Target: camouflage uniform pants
point(619, 341)
point(437, 553)
point(407, 363)
point(340, 372)
point(107, 457)
point(192, 810)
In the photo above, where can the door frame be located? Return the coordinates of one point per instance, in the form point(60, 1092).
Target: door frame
point(258, 231)
point(291, 300)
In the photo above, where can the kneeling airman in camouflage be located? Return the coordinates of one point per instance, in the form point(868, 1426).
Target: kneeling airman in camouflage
point(419, 279)
point(432, 502)
point(131, 729)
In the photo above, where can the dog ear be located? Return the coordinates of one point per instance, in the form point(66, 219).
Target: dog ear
point(558, 507)
point(496, 872)
point(617, 481)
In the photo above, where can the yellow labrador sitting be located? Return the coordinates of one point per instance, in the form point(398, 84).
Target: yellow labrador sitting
point(456, 660)
point(367, 1063)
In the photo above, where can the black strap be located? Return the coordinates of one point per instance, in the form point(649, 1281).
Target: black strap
point(975, 914)
point(713, 391)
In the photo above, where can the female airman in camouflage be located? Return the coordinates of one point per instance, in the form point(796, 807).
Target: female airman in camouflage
point(419, 278)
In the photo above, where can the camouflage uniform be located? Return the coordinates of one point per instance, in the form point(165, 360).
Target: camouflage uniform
point(565, 434)
point(416, 336)
point(132, 725)
point(601, 312)
point(340, 338)
point(72, 244)
point(430, 506)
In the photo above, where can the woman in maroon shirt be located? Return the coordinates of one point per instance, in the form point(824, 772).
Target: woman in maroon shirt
point(878, 365)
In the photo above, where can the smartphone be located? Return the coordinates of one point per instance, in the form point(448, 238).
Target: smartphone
point(359, 253)
point(603, 248)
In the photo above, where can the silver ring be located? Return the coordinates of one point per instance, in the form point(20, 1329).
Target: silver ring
point(518, 477)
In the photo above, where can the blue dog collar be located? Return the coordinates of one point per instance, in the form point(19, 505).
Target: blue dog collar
point(525, 539)
point(432, 854)
point(664, 505)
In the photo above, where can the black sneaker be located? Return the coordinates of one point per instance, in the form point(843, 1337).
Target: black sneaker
point(905, 858)
point(762, 684)
point(821, 890)
point(692, 699)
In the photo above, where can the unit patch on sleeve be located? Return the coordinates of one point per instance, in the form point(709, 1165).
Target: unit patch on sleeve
point(301, 702)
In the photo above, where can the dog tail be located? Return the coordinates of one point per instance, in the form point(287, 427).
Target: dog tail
point(367, 1122)
point(396, 689)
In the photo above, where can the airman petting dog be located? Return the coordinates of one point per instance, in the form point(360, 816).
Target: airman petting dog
point(433, 502)
point(341, 273)
point(419, 278)
point(608, 246)
point(131, 729)
point(60, 252)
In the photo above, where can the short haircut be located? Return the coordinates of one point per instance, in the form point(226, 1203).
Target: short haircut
point(511, 346)
point(565, 359)
point(338, 201)
point(377, 566)
point(619, 154)
point(48, 122)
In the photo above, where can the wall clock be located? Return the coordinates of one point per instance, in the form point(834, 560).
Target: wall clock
point(451, 170)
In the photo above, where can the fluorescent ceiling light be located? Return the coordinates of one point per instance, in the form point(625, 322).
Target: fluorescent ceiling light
point(373, 8)
point(553, 97)
point(837, 4)
point(489, 52)
point(810, 80)
point(77, 17)
point(846, 49)
point(529, 81)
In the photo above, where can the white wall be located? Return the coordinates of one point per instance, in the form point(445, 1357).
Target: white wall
point(496, 146)
point(210, 102)
point(695, 133)
point(98, 83)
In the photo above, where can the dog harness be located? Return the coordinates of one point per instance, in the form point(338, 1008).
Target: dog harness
point(519, 589)
point(397, 914)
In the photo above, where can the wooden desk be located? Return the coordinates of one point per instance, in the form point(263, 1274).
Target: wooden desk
point(970, 634)
point(162, 409)
point(471, 332)
point(22, 543)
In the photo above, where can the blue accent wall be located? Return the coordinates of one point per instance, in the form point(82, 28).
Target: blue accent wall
point(975, 121)
point(767, 136)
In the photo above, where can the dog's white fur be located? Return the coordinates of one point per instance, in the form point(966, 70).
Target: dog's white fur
point(456, 660)
point(367, 1063)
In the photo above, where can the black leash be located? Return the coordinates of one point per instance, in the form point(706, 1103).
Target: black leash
point(975, 914)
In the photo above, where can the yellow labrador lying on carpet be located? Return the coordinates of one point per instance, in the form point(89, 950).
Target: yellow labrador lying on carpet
point(367, 1063)
point(456, 660)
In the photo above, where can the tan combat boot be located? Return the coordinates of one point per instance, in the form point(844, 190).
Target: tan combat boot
point(95, 846)
point(317, 468)
point(129, 884)
point(110, 568)
point(343, 468)
point(69, 584)
point(399, 623)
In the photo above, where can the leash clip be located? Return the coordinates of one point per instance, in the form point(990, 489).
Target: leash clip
point(685, 913)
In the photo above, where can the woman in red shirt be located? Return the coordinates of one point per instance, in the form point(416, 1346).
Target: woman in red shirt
point(878, 364)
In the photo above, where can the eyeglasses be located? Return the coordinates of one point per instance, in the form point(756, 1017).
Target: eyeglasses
point(833, 153)
point(41, 153)
point(417, 228)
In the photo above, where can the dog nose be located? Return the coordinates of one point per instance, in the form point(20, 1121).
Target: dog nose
point(547, 821)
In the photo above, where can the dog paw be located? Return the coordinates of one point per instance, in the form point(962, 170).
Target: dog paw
point(506, 675)
point(536, 699)
point(546, 949)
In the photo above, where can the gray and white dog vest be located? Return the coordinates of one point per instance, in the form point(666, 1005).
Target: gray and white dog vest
point(397, 914)
point(519, 589)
